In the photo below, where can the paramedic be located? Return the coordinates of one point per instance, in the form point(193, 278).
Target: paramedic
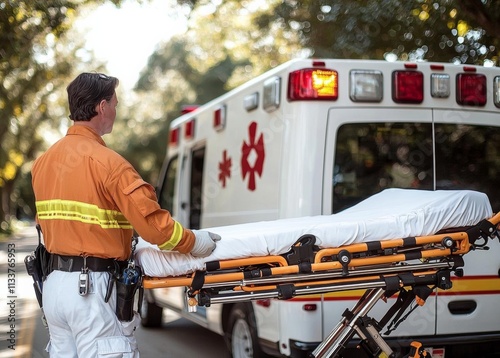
point(89, 200)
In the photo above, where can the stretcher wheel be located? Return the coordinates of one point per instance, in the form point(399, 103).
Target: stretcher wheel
point(241, 336)
point(151, 314)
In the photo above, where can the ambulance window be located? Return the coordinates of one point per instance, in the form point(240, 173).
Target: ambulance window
point(167, 190)
point(370, 157)
point(196, 203)
point(468, 157)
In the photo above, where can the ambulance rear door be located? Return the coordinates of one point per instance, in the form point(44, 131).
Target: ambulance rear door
point(368, 150)
point(468, 157)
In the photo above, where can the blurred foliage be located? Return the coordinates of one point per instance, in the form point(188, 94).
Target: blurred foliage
point(228, 42)
point(435, 30)
point(36, 59)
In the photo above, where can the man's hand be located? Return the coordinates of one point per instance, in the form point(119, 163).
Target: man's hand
point(205, 243)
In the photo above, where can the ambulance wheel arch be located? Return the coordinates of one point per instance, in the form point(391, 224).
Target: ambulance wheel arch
point(240, 332)
point(151, 313)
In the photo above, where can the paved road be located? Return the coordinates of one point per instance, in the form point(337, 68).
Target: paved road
point(22, 334)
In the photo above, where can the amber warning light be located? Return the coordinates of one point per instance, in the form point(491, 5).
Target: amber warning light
point(313, 84)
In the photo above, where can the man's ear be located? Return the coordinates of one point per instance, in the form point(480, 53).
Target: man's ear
point(100, 106)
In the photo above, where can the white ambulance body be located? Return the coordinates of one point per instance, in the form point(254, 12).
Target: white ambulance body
point(312, 137)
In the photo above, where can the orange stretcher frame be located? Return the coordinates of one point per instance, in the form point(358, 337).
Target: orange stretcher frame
point(350, 260)
point(382, 268)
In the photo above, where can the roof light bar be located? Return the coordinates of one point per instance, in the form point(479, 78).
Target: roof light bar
point(319, 64)
point(188, 108)
point(440, 85)
point(410, 65)
point(435, 67)
point(366, 86)
point(471, 89)
point(313, 84)
point(407, 86)
point(470, 69)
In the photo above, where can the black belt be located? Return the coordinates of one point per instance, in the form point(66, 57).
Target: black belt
point(76, 263)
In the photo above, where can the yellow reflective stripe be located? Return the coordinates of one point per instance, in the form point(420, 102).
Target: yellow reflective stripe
point(81, 212)
point(174, 239)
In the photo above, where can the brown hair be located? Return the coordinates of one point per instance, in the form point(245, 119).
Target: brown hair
point(86, 91)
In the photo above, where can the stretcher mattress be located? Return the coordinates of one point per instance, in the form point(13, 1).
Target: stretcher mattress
point(390, 214)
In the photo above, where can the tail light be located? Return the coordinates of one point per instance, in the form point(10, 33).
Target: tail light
point(313, 84)
point(407, 86)
point(471, 89)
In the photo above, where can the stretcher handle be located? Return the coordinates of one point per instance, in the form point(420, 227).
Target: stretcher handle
point(495, 220)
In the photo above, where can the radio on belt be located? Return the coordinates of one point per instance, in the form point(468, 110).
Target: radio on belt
point(83, 281)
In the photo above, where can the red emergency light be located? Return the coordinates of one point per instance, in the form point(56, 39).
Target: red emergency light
point(189, 108)
point(313, 84)
point(219, 118)
point(407, 86)
point(174, 137)
point(189, 129)
point(471, 89)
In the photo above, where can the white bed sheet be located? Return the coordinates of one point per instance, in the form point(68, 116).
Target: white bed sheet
point(390, 214)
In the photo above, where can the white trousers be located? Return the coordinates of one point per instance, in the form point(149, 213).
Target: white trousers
point(85, 326)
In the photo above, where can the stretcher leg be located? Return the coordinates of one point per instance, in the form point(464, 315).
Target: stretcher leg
point(348, 326)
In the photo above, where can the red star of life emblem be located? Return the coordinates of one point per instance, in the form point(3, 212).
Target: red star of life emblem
point(252, 158)
point(224, 168)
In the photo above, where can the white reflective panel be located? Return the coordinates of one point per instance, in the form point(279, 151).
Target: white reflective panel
point(496, 91)
point(251, 101)
point(271, 96)
point(440, 85)
point(366, 86)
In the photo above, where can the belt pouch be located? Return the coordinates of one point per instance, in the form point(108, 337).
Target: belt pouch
point(125, 300)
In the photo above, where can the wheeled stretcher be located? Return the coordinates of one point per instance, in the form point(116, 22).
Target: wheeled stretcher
point(407, 242)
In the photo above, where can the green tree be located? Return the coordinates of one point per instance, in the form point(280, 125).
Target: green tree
point(438, 30)
point(171, 79)
point(36, 59)
point(229, 42)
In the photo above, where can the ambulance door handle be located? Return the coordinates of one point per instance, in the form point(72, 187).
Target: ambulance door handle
point(462, 307)
point(184, 205)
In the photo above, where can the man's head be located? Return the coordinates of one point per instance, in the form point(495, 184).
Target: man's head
point(91, 95)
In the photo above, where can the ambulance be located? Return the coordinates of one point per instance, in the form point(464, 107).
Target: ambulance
point(316, 136)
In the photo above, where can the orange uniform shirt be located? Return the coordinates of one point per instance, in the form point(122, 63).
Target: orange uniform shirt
point(89, 199)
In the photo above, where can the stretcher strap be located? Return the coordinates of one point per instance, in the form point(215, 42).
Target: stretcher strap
point(409, 241)
point(286, 291)
point(198, 281)
point(481, 231)
point(404, 300)
point(212, 265)
point(302, 252)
